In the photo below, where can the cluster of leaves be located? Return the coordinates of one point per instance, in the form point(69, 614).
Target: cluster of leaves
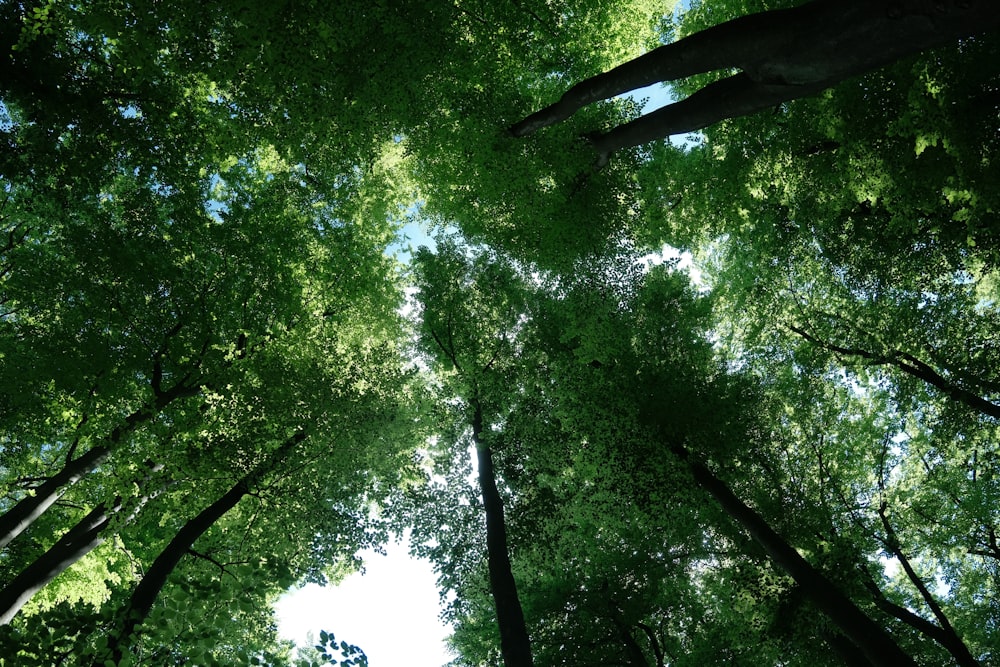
point(203, 392)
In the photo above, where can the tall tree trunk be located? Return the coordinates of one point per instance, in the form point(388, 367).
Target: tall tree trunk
point(144, 596)
point(876, 644)
point(784, 54)
point(77, 542)
point(515, 645)
point(80, 540)
point(15, 520)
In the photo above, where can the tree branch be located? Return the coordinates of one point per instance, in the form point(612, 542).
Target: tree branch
point(912, 366)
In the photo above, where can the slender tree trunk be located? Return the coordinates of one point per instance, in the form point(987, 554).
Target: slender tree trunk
point(874, 642)
point(735, 96)
point(726, 45)
point(514, 642)
point(77, 542)
point(80, 540)
point(15, 520)
point(144, 596)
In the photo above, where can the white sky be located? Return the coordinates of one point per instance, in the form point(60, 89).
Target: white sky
point(390, 611)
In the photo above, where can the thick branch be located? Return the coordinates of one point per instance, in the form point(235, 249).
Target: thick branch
point(146, 592)
point(78, 541)
point(735, 96)
point(636, 658)
point(18, 518)
point(948, 637)
point(877, 645)
point(783, 54)
point(653, 643)
point(918, 623)
point(723, 46)
point(15, 520)
point(88, 534)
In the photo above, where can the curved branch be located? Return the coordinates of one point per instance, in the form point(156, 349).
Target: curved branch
point(912, 366)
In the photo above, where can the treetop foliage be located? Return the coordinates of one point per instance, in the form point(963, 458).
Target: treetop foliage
point(216, 382)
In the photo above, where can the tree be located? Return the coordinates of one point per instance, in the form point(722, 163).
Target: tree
point(795, 469)
point(883, 259)
point(784, 54)
point(627, 431)
point(675, 400)
point(470, 307)
point(158, 328)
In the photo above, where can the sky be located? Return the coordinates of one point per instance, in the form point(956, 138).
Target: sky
point(390, 612)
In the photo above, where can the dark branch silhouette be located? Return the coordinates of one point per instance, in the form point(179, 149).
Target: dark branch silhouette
point(878, 647)
point(913, 367)
point(135, 611)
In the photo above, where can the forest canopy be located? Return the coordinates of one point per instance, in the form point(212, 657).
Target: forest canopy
point(218, 382)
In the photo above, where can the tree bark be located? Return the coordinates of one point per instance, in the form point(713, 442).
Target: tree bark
point(15, 520)
point(515, 646)
point(80, 540)
point(77, 542)
point(144, 596)
point(783, 54)
point(877, 645)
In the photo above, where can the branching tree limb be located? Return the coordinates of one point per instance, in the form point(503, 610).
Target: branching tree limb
point(912, 366)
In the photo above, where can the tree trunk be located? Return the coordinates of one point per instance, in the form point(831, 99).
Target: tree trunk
point(76, 543)
point(726, 45)
point(783, 54)
point(15, 520)
point(80, 540)
point(146, 592)
point(514, 642)
point(876, 644)
point(735, 96)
